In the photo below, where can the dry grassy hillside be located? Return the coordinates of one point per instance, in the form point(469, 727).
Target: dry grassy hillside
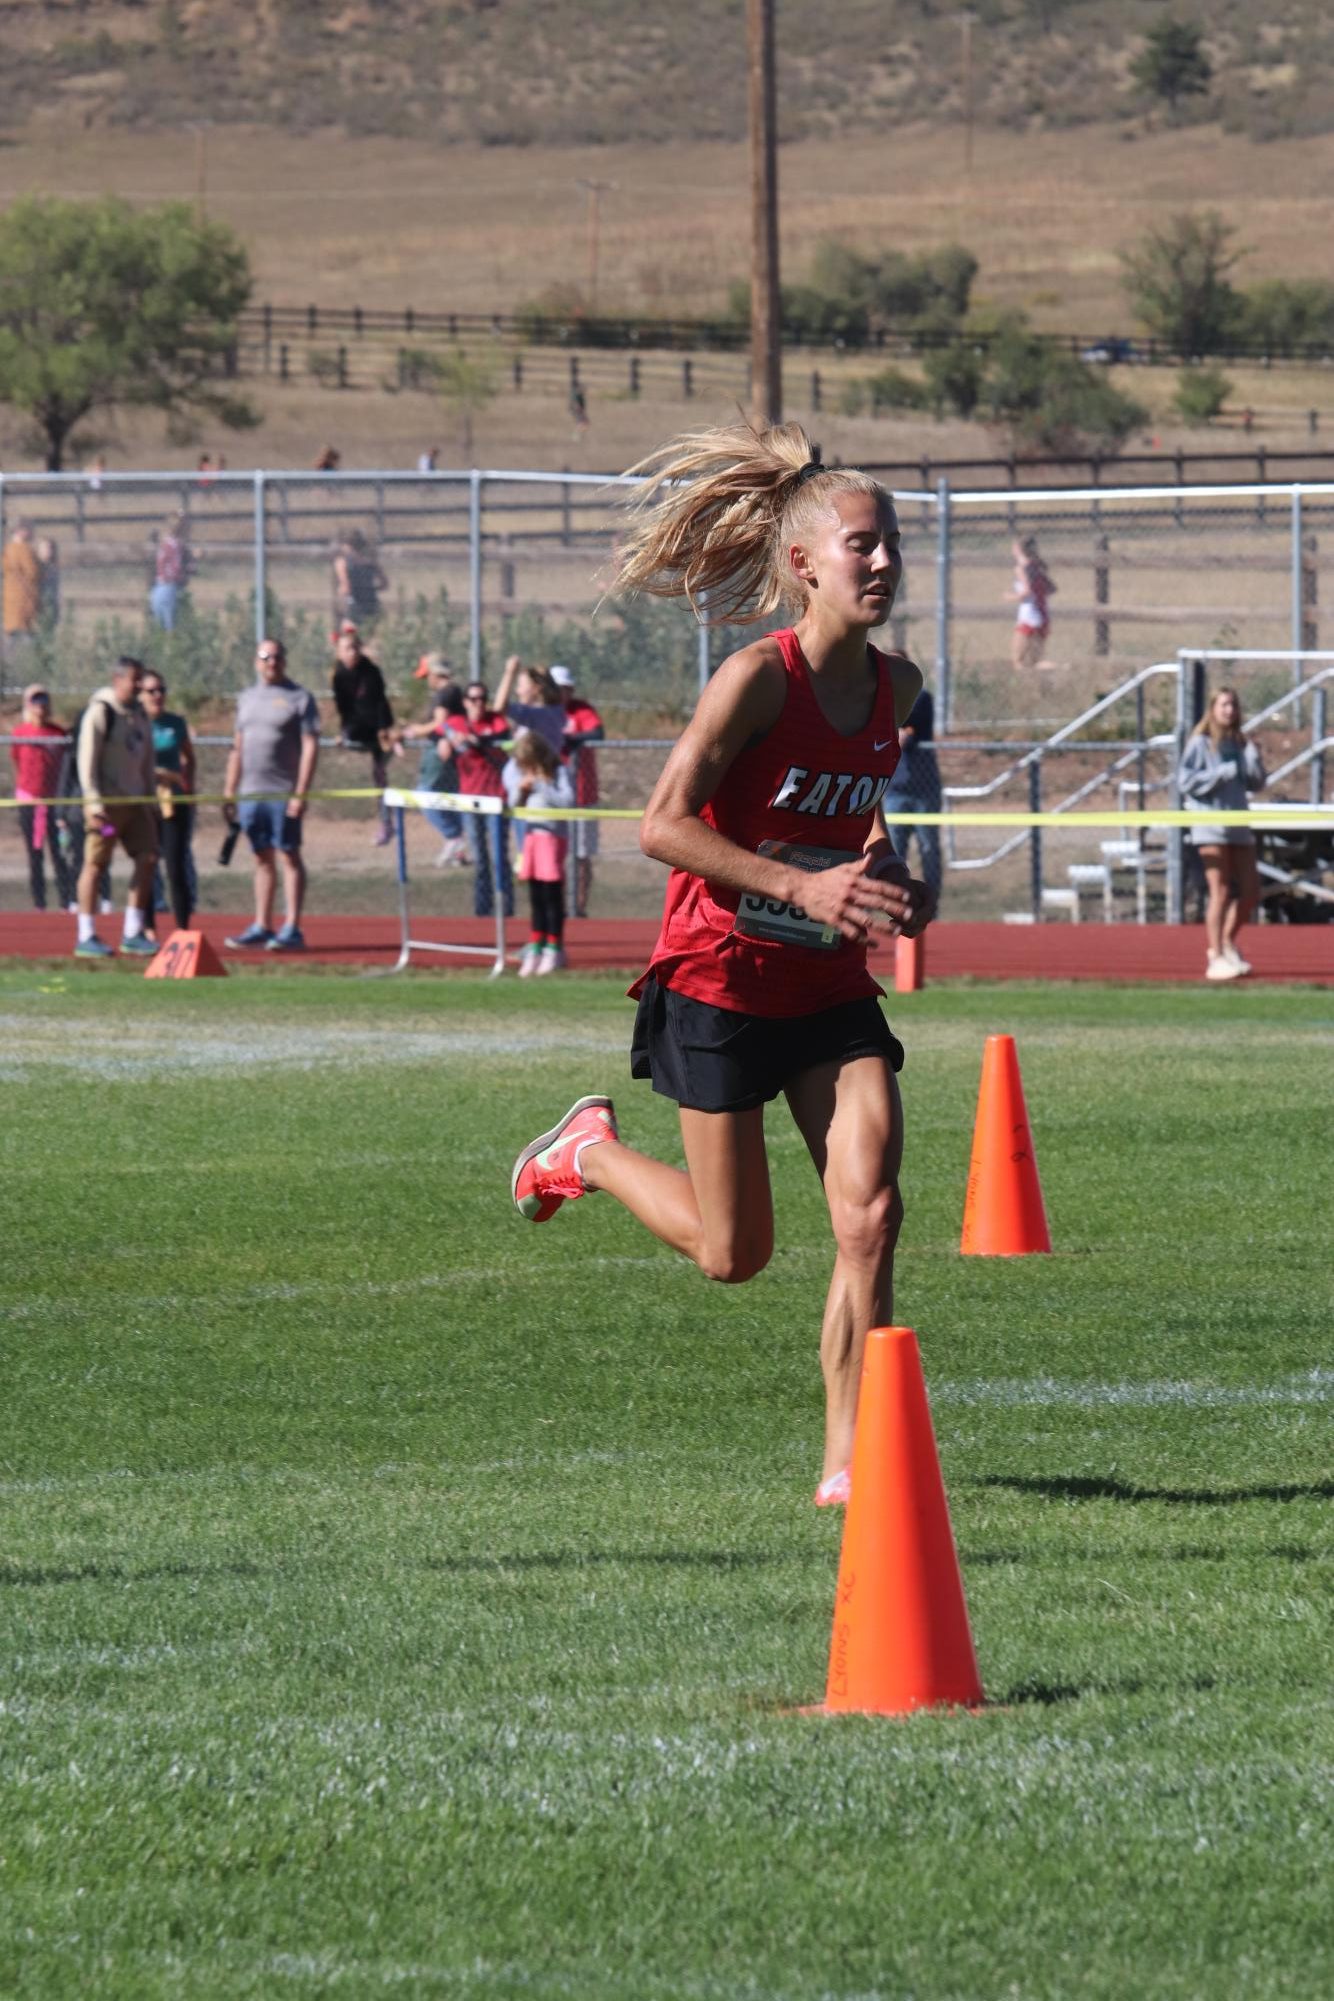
point(562, 72)
point(389, 222)
point(344, 146)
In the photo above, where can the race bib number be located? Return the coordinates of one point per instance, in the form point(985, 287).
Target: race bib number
point(787, 923)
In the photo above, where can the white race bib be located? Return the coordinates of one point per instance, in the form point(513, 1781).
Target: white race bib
point(787, 923)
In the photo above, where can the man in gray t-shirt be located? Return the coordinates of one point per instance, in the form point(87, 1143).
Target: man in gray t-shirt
point(273, 753)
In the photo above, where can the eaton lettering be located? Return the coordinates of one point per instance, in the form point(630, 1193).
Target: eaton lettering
point(825, 794)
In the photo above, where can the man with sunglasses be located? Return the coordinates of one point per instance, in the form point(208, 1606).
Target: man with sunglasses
point(174, 775)
point(270, 768)
point(475, 737)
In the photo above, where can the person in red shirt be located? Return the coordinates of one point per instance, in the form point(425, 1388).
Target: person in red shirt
point(475, 737)
point(583, 728)
point(766, 814)
point(38, 753)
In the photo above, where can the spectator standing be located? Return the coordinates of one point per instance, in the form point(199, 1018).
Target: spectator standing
point(476, 736)
point(439, 768)
point(358, 581)
point(329, 460)
point(173, 776)
point(270, 768)
point(365, 719)
point(915, 786)
point(530, 700)
point(115, 757)
point(71, 833)
point(171, 573)
point(427, 460)
point(48, 583)
point(38, 755)
point(583, 728)
point(1033, 588)
point(534, 776)
point(1218, 769)
point(21, 590)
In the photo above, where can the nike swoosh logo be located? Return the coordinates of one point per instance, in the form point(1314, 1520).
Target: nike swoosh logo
point(885, 745)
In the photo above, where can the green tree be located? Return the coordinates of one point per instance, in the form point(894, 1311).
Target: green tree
point(1172, 63)
point(1178, 281)
point(1285, 314)
point(467, 384)
point(105, 307)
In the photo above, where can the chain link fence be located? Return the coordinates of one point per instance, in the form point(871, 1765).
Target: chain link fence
point(476, 564)
point(1138, 576)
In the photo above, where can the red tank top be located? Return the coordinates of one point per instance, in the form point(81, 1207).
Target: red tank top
point(805, 784)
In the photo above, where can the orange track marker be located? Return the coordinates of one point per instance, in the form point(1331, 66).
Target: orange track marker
point(1003, 1213)
point(901, 1639)
point(187, 955)
point(909, 965)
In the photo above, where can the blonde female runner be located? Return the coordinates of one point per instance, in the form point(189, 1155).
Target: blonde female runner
point(767, 815)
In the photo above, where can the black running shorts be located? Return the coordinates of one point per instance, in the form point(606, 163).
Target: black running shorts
point(712, 1059)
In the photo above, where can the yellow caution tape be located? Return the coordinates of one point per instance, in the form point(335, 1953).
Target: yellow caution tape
point(1295, 818)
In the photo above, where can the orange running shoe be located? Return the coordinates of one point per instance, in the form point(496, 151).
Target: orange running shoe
point(836, 1491)
point(548, 1172)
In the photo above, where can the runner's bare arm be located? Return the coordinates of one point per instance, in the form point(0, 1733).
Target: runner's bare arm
point(743, 701)
point(907, 685)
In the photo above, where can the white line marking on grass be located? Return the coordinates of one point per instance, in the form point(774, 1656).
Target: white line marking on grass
point(132, 1051)
point(1316, 1386)
point(319, 1480)
point(488, 1974)
point(284, 1290)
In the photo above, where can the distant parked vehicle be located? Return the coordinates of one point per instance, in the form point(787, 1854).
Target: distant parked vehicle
point(1110, 351)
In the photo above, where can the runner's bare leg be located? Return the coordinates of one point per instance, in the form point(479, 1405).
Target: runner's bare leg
point(851, 1118)
point(719, 1212)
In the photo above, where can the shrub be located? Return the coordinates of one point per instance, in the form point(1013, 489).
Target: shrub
point(322, 363)
point(1201, 394)
point(849, 294)
point(1053, 403)
point(891, 389)
point(955, 376)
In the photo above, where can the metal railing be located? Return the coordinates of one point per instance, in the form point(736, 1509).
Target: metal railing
point(1184, 670)
point(467, 557)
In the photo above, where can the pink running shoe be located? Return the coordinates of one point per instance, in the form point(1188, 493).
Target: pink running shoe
point(548, 1172)
point(836, 1491)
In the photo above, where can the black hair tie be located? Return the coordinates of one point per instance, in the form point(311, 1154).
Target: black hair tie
point(808, 471)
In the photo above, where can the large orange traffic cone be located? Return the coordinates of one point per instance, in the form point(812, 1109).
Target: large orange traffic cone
point(1003, 1215)
point(901, 1639)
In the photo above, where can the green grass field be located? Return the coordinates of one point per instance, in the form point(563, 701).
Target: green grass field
point(398, 1599)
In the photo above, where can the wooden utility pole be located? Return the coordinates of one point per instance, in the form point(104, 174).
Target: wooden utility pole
point(201, 168)
point(594, 190)
point(766, 330)
point(966, 86)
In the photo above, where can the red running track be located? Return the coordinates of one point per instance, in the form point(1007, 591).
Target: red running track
point(953, 951)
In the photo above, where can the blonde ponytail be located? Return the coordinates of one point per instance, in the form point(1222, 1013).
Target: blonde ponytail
point(717, 513)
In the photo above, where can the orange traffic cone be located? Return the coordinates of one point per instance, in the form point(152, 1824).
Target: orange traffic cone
point(901, 1639)
point(187, 955)
point(1003, 1215)
point(909, 964)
